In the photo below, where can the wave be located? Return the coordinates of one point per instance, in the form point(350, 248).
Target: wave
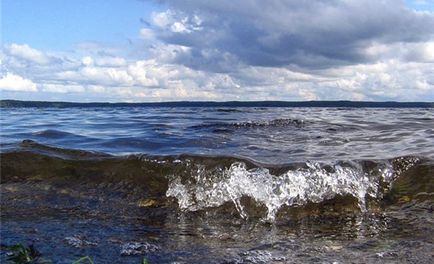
point(204, 183)
point(314, 184)
point(52, 133)
point(284, 122)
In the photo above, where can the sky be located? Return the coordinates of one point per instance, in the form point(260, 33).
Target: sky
point(162, 50)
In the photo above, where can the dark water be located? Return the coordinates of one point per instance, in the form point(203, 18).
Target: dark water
point(219, 184)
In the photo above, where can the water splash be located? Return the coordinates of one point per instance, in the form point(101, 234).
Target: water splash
point(312, 183)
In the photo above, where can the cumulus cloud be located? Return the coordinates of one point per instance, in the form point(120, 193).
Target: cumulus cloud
point(158, 79)
point(115, 77)
point(104, 61)
point(309, 34)
point(13, 82)
point(25, 52)
point(62, 88)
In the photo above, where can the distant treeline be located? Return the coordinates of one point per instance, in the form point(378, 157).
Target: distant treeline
point(351, 104)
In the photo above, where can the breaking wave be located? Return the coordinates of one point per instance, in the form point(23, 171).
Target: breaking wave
point(313, 183)
point(201, 183)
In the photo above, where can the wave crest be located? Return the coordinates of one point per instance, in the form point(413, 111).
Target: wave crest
point(313, 183)
point(211, 183)
point(283, 122)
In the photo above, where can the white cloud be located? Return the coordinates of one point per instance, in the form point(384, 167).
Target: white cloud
point(27, 53)
point(162, 19)
point(143, 72)
point(13, 82)
point(87, 60)
point(62, 88)
point(422, 52)
point(177, 22)
point(103, 61)
point(105, 75)
point(396, 76)
point(146, 33)
point(96, 89)
point(110, 61)
point(424, 85)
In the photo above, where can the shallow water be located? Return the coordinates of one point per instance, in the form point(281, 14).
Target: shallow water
point(219, 185)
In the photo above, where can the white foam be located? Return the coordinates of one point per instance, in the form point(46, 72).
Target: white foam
point(293, 188)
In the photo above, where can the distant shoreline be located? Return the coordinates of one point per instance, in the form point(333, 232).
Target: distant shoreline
point(343, 104)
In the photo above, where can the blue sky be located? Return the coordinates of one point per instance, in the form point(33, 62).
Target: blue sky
point(421, 5)
point(60, 24)
point(163, 50)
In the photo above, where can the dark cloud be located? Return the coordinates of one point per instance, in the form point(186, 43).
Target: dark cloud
point(308, 34)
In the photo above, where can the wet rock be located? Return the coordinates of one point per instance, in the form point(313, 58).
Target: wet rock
point(148, 203)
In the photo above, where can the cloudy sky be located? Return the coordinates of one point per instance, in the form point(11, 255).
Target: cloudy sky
point(141, 51)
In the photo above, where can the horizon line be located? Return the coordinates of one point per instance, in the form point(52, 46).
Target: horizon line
point(4, 103)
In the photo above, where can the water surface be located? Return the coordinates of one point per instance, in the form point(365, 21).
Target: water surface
point(219, 184)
